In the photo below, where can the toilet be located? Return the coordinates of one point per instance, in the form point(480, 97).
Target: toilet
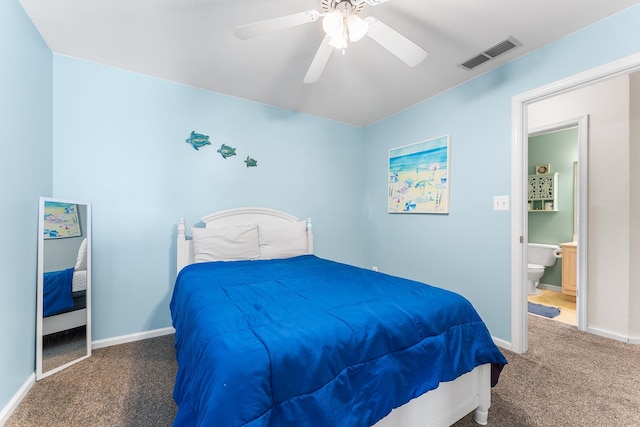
point(539, 256)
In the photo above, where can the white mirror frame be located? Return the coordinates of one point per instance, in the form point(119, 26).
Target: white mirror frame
point(40, 286)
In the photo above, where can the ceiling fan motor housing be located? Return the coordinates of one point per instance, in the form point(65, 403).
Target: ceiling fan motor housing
point(352, 6)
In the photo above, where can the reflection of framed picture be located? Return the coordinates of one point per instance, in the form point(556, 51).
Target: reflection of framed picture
point(419, 177)
point(542, 169)
point(61, 220)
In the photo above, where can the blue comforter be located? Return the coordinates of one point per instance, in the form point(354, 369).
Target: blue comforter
point(57, 287)
point(307, 341)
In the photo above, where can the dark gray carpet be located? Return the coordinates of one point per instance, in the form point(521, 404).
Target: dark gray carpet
point(124, 385)
point(567, 378)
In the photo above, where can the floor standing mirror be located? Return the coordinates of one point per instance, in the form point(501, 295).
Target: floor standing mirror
point(63, 327)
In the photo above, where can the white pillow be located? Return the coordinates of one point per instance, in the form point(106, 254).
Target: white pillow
point(231, 243)
point(282, 240)
point(81, 261)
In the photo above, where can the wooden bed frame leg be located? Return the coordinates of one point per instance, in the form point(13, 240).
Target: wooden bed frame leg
point(481, 415)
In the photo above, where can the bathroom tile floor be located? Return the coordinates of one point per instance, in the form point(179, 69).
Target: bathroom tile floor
point(566, 304)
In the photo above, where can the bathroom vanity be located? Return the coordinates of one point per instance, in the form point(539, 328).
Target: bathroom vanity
point(569, 270)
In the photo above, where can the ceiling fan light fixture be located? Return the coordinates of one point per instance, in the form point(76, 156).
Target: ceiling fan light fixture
point(333, 24)
point(339, 41)
point(342, 24)
point(357, 26)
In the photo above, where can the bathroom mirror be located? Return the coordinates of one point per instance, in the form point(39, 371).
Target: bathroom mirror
point(63, 324)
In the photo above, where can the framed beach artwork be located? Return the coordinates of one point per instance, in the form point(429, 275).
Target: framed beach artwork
point(61, 220)
point(419, 177)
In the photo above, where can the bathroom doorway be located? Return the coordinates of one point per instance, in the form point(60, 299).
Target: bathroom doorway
point(605, 307)
point(554, 147)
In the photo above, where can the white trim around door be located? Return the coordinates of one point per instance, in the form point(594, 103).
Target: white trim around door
point(519, 130)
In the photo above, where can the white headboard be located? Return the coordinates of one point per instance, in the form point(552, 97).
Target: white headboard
point(231, 217)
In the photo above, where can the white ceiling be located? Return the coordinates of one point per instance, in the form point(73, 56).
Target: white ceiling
point(192, 42)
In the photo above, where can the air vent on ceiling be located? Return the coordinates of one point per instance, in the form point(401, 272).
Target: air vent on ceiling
point(491, 53)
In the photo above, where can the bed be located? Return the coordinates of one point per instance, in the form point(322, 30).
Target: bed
point(65, 296)
point(268, 334)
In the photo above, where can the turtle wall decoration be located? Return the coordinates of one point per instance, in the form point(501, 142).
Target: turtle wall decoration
point(226, 151)
point(198, 140)
point(251, 163)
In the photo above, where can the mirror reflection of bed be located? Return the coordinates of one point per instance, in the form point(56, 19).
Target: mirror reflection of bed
point(64, 279)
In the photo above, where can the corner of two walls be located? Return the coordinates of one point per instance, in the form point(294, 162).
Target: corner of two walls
point(466, 250)
point(634, 214)
point(25, 175)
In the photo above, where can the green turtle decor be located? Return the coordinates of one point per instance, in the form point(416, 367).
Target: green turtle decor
point(198, 140)
point(251, 163)
point(226, 151)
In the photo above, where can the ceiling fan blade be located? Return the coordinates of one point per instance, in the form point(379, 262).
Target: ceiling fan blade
point(319, 61)
point(409, 52)
point(275, 24)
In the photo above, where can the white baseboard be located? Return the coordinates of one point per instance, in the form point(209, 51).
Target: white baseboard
point(549, 287)
point(108, 342)
point(16, 399)
point(501, 343)
point(634, 341)
point(607, 334)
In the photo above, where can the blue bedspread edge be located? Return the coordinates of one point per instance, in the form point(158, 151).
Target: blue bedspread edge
point(57, 295)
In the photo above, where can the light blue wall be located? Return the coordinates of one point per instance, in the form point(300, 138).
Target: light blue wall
point(469, 250)
point(119, 142)
point(25, 174)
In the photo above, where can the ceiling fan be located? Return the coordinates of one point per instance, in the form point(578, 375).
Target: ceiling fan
point(341, 23)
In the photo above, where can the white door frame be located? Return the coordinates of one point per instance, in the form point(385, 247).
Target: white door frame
point(519, 132)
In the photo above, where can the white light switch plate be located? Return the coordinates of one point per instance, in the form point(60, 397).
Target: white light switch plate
point(500, 203)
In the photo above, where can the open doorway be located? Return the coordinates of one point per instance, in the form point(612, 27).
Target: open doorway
point(553, 156)
point(519, 219)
